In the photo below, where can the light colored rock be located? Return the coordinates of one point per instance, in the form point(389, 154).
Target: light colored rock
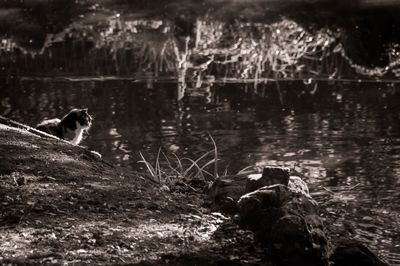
point(298, 185)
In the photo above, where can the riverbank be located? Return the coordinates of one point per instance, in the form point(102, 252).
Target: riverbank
point(60, 204)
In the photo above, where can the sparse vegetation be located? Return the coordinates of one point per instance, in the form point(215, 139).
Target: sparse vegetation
point(168, 169)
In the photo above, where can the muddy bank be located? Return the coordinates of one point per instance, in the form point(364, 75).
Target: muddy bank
point(59, 204)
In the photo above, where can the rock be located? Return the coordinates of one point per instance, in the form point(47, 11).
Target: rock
point(227, 190)
point(296, 242)
point(164, 188)
point(297, 185)
point(286, 221)
point(271, 175)
point(354, 253)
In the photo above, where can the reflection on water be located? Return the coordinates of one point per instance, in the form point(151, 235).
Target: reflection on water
point(196, 47)
point(343, 137)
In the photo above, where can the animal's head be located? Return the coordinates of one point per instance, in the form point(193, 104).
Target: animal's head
point(80, 116)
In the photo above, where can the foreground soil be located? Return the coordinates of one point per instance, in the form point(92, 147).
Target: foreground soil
point(60, 204)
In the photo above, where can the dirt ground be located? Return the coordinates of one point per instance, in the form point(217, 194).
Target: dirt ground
point(62, 205)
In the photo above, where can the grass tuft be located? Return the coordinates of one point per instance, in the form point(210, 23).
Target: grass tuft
point(169, 169)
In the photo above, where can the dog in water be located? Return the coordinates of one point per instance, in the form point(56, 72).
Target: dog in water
point(71, 127)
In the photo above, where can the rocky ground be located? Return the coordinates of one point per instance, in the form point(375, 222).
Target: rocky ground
point(61, 204)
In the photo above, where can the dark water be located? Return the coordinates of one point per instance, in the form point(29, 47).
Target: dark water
point(343, 137)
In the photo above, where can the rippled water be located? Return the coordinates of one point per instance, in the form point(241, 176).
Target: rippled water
point(344, 137)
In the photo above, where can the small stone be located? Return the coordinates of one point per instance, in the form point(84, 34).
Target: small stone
point(164, 188)
point(296, 184)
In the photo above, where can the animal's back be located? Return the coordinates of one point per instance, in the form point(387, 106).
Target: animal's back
point(51, 126)
point(70, 128)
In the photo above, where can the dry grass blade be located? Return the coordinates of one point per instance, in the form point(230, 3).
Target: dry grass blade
point(149, 167)
point(225, 172)
point(207, 164)
point(178, 161)
point(215, 156)
point(158, 169)
point(246, 168)
point(195, 163)
point(177, 170)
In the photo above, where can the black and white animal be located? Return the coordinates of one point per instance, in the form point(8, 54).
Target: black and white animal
point(71, 127)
